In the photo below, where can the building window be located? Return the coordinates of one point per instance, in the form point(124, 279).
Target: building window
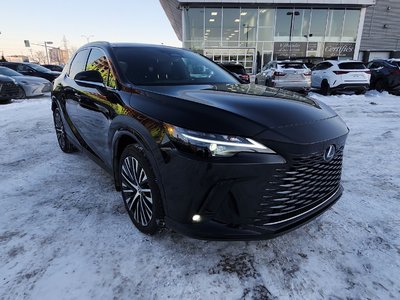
point(248, 26)
point(194, 24)
point(230, 28)
point(335, 24)
point(318, 22)
point(350, 28)
point(213, 18)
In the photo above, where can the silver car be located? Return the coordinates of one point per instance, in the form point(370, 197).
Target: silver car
point(30, 86)
point(291, 75)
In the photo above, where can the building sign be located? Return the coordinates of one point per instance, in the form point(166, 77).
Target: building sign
point(339, 49)
point(312, 46)
point(290, 49)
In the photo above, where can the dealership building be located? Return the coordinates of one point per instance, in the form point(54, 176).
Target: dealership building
point(254, 32)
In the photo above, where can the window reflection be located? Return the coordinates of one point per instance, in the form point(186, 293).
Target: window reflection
point(194, 23)
point(335, 23)
point(98, 61)
point(230, 28)
point(213, 24)
point(248, 25)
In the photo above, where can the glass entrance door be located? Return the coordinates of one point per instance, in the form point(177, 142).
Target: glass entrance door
point(243, 56)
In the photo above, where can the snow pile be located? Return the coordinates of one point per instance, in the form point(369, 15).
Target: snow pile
point(64, 233)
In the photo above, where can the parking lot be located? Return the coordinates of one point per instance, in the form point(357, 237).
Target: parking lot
point(64, 232)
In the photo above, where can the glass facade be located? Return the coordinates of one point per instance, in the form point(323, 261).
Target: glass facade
point(254, 36)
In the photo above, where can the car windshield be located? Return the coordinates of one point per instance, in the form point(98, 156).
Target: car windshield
point(291, 65)
point(395, 63)
point(8, 72)
point(236, 69)
point(39, 68)
point(352, 66)
point(169, 66)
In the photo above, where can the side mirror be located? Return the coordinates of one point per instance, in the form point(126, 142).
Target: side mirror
point(90, 78)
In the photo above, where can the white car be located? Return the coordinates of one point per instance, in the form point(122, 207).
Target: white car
point(291, 75)
point(347, 75)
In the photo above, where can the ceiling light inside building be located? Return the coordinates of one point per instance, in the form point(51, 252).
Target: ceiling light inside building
point(214, 13)
point(211, 20)
point(263, 11)
point(237, 20)
point(243, 13)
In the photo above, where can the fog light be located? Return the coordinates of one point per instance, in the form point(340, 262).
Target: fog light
point(196, 218)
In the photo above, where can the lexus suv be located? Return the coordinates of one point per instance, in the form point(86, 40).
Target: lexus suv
point(340, 76)
point(191, 148)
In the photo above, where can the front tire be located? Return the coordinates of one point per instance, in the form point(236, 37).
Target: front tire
point(140, 190)
point(62, 138)
point(380, 86)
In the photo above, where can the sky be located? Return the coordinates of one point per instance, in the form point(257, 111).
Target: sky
point(139, 21)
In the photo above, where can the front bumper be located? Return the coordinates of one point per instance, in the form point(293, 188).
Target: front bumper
point(209, 229)
point(254, 196)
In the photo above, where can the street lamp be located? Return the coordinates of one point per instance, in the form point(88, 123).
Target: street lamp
point(47, 54)
point(291, 14)
point(87, 37)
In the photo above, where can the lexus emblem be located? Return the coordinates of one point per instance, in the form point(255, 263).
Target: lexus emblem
point(329, 153)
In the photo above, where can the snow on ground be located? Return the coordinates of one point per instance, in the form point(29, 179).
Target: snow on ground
point(64, 232)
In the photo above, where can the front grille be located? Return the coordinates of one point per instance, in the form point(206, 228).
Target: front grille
point(9, 90)
point(307, 183)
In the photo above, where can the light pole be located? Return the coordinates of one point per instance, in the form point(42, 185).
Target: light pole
point(87, 37)
point(47, 54)
point(291, 14)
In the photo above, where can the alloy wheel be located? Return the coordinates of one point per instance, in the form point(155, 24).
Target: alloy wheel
point(59, 126)
point(136, 191)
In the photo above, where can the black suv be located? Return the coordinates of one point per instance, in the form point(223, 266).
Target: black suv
point(239, 70)
point(32, 70)
point(385, 75)
point(191, 147)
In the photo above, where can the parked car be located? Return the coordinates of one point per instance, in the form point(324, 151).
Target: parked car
point(339, 76)
point(8, 89)
point(29, 69)
point(385, 75)
point(56, 68)
point(239, 70)
point(291, 75)
point(29, 86)
point(210, 157)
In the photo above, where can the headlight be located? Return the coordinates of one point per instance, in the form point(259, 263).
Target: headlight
point(209, 144)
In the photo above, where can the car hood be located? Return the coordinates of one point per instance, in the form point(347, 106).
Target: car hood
point(30, 79)
point(4, 79)
point(230, 108)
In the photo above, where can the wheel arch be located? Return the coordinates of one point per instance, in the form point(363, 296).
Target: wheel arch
point(126, 131)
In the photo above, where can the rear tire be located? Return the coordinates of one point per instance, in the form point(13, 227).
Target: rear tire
point(325, 88)
point(140, 190)
point(256, 81)
point(22, 94)
point(62, 138)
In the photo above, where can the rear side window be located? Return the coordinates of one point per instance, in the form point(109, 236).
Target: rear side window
point(352, 66)
point(79, 63)
point(291, 66)
point(99, 62)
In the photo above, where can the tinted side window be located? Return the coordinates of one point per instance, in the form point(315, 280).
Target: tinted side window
point(22, 68)
point(79, 63)
point(99, 62)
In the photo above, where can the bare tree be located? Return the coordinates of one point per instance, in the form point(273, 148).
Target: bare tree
point(39, 56)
